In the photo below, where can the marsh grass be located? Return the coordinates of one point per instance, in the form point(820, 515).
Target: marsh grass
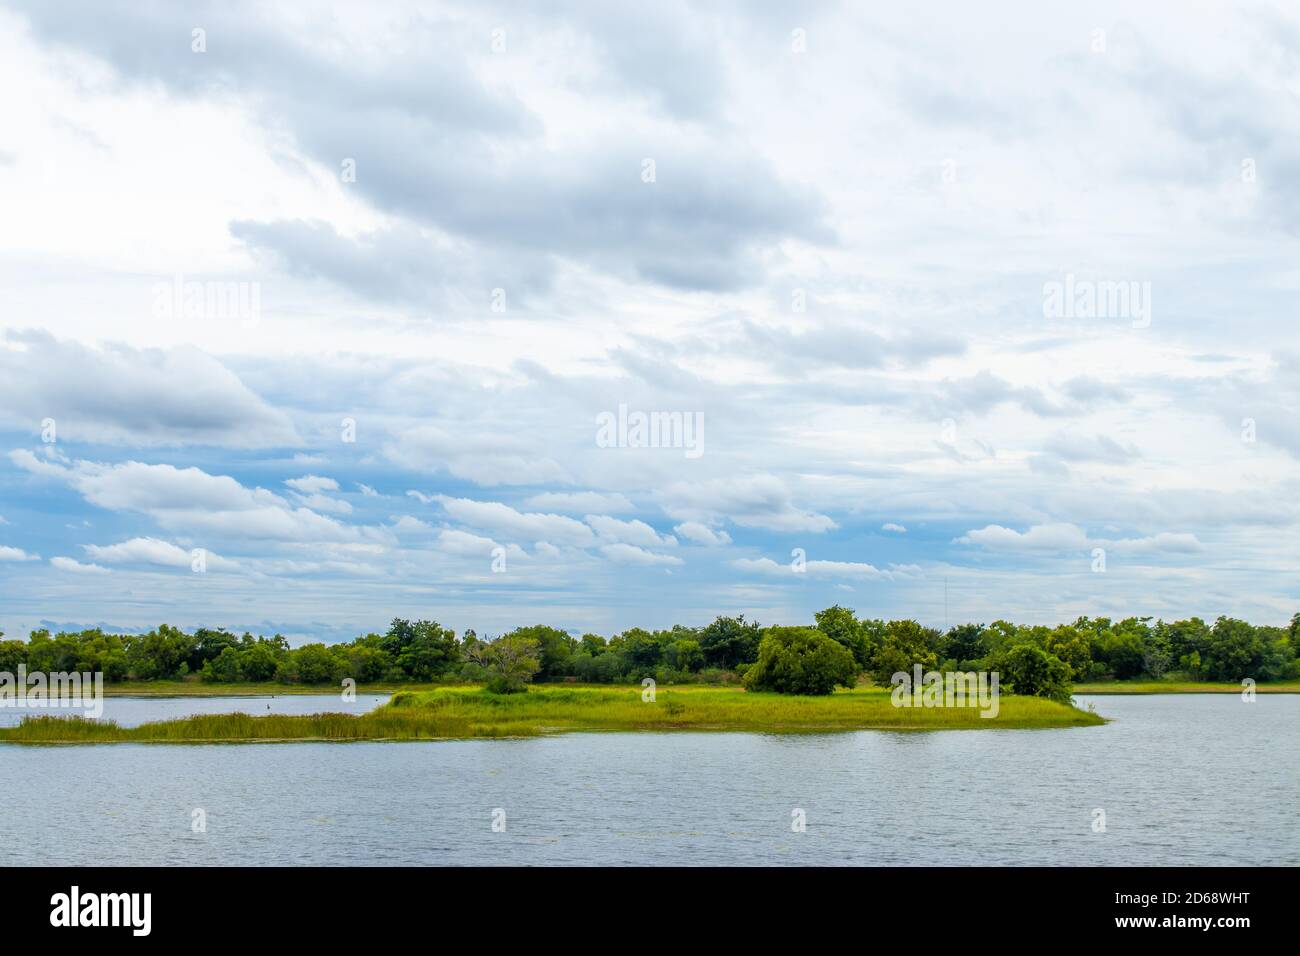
point(468, 712)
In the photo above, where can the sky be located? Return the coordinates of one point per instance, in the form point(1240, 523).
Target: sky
point(314, 318)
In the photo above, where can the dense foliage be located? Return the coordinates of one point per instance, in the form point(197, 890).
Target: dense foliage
point(801, 660)
point(1037, 660)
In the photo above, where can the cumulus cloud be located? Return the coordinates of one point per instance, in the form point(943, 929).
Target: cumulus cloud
point(118, 395)
point(698, 533)
point(484, 457)
point(834, 569)
point(1163, 543)
point(75, 566)
point(466, 545)
point(189, 498)
point(499, 518)
point(1060, 536)
point(440, 147)
point(631, 554)
point(1063, 536)
point(628, 532)
point(896, 528)
point(157, 552)
point(761, 501)
point(16, 554)
point(581, 502)
point(310, 484)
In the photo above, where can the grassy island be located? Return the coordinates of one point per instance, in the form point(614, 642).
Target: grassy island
point(467, 712)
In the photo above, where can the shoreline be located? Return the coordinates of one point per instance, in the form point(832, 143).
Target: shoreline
point(471, 712)
point(184, 688)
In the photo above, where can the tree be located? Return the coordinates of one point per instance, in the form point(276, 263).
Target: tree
point(422, 649)
point(12, 653)
point(966, 643)
point(840, 625)
point(800, 660)
point(594, 644)
point(1121, 651)
point(1069, 645)
point(512, 661)
point(223, 668)
point(259, 662)
point(313, 664)
point(208, 643)
point(730, 641)
point(160, 653)
point(554, 648)
point(686, 655)
point(1235, 651)
point(1032, 672)
point(904, 646)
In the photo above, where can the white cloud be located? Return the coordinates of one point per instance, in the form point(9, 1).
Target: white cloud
point(761, 501)
point(500, 518)
point(631, 554)
point(124, 396)
point(405, 524)
point(832, 569)
point(1163, 543)
point(16, 554)
point(325, 503)
point(896, 528)
point(697, 533)
point(465, 544)
point(1061, 536)
point(1069, 537)
point(581, 502)
point(189, 498)
point(628, 532)
point(309, 484)
point(71, 564)
point(155, 551)
point(483, 458)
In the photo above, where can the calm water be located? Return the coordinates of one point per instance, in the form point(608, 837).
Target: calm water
point(133, 711)
point(1183, 780)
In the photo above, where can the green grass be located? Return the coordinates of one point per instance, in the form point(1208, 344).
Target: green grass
point(1183, 687)
point(468, 712)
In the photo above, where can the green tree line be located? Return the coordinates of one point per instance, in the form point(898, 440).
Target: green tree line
point(837, 649)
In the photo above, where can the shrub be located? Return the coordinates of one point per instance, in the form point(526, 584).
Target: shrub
point(512, 661)
point(902, 646)
point(1032, 672)
point(800, 660)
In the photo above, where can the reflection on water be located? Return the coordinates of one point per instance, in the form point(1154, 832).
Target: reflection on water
point(133, 711)
point(1195, 779)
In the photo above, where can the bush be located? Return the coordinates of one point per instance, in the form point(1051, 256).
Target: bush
point(800, 660)
point(902, 646)
point(1032, 672)
point(512, 661)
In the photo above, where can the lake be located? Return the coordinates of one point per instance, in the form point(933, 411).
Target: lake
point(1182, 779)
point(133, 711)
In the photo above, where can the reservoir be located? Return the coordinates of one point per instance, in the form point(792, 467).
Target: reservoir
point(1178, 779)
